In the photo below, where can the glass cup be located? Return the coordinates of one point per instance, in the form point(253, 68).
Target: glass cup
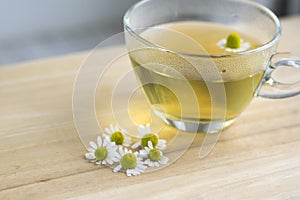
point(197, 91)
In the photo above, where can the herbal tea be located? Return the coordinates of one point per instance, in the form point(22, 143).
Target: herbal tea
point(239, 76)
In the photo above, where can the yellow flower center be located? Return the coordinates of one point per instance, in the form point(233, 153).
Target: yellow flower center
point(154, 154)
point(233, 41)
point(149, 137)
point(101, 153)
point(117, 137)
point(128, 161)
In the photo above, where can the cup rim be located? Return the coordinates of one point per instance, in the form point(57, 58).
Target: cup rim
point(267, 45)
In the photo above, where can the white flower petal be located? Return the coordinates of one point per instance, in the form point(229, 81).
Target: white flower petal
point(140, 135)
point(117, 155)
point(108, 131)
point(105, 136)
point(90, 156)
point(150, 145)
point(147, 161)
point(128, 172)
point(139, 158)
point(115, 159)
point(135, 173)
point(113, 146)
point(142, 130)
point(156, 164)
point(147, 128)
point(109, 161)
point(147, 149)
point(161, 145)
point(110, 146)
point(121, 151)
point(106, 142)
point(112, 152)
point(91, 150)
point(111, 128)
point(126, 144)
point(93, 144)
point(141, 166)
point(125, 151)
point(116, 128)
point(164, 160)
point(144, 152)
point(99, 141)
point(98, 162)
point(117, 168)
point(162, 142)
point(134, 146)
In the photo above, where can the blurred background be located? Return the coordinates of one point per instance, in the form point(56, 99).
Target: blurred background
point(35, 29)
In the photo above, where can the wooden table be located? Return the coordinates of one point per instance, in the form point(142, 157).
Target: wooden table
point(41, 156)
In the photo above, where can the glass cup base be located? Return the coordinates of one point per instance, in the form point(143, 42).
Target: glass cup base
point(194, 126)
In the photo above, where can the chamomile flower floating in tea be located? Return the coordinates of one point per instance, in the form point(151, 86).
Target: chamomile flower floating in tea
point(234, 43)
point(131, 162)
point(104, 152)
point(117, 135)
point(154, 157)
point(145, 135)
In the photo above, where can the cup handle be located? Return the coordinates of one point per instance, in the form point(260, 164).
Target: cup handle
point(274, 89)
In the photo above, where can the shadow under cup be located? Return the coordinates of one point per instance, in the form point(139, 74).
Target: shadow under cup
point(199, 92)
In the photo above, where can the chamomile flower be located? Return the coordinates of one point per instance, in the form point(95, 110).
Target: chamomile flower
point(154, 157)
point(130, 162)
point(233, 43)
point(145, 135)
point(117, 135)
point(104, 152)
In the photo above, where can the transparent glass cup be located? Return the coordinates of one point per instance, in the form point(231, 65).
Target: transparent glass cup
point(201, 92)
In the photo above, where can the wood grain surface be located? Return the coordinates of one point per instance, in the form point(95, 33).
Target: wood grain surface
point(41, 156)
